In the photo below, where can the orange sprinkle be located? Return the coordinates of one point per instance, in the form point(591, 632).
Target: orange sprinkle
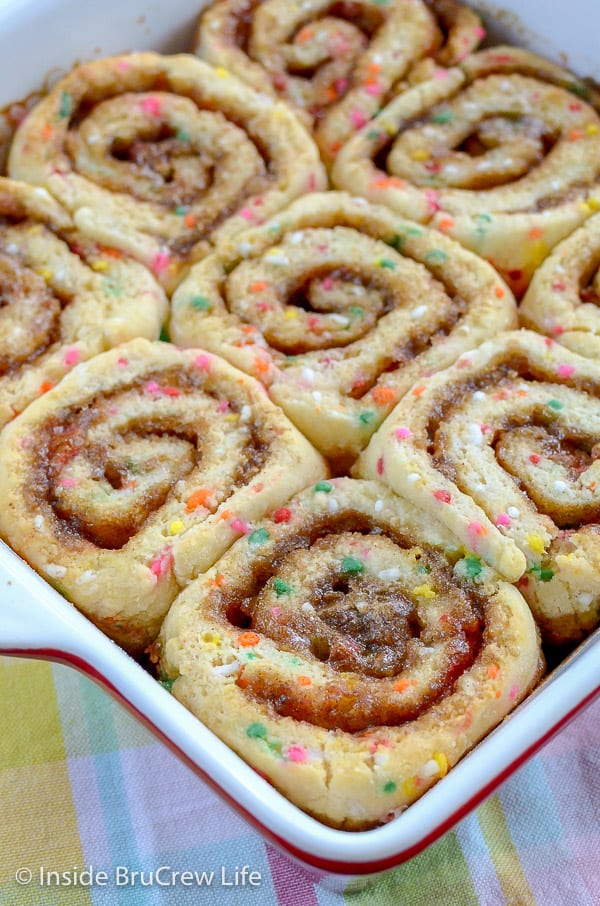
point(258, 287)
point(260, 366)
point(500, 293)
point(522, 393)
point(226, 514)
point(304, 35)
point(335, 147)
point(374, 67)
point(574, 135)
point(536, 233)
point(331, 94)
point(218, 580)
point(383, 395)
point(248, 639)
point(498, 693)
point(401, 685)
point(248, 328)
point(201, 497)
point(417, 391)
point(446, 223)
point(241, 682)
point(47, 131)
point(304, 681)
point(190, 221)
point(112, 253)
point(386, 182)
point(493, 671)
point(46, 386)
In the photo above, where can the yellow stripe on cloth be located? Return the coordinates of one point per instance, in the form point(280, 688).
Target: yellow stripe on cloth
point(504, 855)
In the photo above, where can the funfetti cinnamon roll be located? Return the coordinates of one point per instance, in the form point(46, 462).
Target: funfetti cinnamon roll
point(158, 156)
point(501, 152)
point(137, 471)
point(336, 63)
point(503, 449)
point(349, 652)
point(562, 300)
point(64, 298)
point(338, 307)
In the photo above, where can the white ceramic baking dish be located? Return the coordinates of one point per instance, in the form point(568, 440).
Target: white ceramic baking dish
point(38, 37)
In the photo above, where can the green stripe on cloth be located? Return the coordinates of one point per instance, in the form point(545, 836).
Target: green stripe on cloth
point(443, 862)
point(504, 855)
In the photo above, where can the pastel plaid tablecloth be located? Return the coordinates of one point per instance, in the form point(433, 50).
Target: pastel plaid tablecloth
point(83, 786)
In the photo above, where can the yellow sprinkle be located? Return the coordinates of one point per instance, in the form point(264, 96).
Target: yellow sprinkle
point(44, 273)
point(409, 788)
point(100, 265)
point(591, 129)
point(232, 418)
point(536, 543)
point(594, 204)
point(442, 762)
point(175, 527)
point(211, 638)
point(221, 72)
point(291, 313)
point(420, 154)
point(35, 229)
point(423, 591)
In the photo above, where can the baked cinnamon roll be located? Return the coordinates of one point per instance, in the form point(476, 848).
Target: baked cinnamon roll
point(503, 449)
point(136, 472)
point(501, 153)
point(338, 307)
point(349, 652)
point(159, 156)
point(64, 298)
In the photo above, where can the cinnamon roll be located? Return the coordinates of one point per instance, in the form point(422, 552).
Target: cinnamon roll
point(335, 62)
point(501, 152)
point(136, 472)
point(64, 298)
point(159, 156)
point(349, 652)
point(562, 300)
point(503, 448)
point(338, 307)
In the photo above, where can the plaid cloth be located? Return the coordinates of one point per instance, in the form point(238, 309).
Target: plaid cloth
point(83, 785)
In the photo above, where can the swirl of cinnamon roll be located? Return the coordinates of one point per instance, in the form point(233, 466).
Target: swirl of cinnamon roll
point(562, 300)
point(348, 652)
point(63, 298)
point(503, 448)
point(501, 152)
point(336, 62)
point(137, 471)
point(158, 156)
point(338, 306)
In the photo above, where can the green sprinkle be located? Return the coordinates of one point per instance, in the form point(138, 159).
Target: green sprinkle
point(389, 787)
point(484, 218)
point(167, 683)
point(555, 404)
point(250, 656)
point(386, 263)
point(365, 418)
point(256, 731)
point(181, 210)
point(323, 486)
point(579, 90)
point(282, 588)
point(396, 242)
point(164, 335)
point(275, 747)
point(373, 135)
point(356, 311)
point(258, 536)
point(183, 135)
point(444, 116)
point(414, 231)
point(542, 573)
point(66, 105)
point(112, 288)
point(436, 255)
point(423, 568)
point(295, 661)
point(472, 567)
point(200, 303)
point(351, 566)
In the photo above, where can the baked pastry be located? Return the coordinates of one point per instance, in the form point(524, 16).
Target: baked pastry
point(501, 152)
point(336, 63)
point(562, 300)
point(338, 307)
point(349, 652)
point(503, 449)
point(136, 472)
point(158, 156)
point(64, 298)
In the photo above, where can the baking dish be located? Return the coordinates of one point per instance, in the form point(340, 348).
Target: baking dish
point(38, 38)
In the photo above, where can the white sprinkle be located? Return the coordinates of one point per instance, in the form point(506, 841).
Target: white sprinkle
point(378, 506)
point(475, 434)
point(556, 184)
point(560, 486)
point(389, 575)
point(317, 396)
point(332, 505)
point(38, 523)
point(340, 319)
point(55, 571)
point(42, 192)
point(88, 576)
point(244, 248)
point(277, 258)
point(430, 769)
point(419, 311)
point(357, 290)
point(361, 202)
point(245, 413)
point(12, 248)
point(307, 607)
point(585, 599)
point(513, 512)
point(361, 606)
point(413, 477)
point(559, 269)
point(381, 757)
point(479, 395)
point(296, 238)
point(227, 669)
point(308, 375)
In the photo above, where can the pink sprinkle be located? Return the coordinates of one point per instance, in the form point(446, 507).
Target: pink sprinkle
point(476, 528)
point(122, 362)
point(433, 201)
point(276, 611)
point(312, 182)
point(503, 519)
point(403, 433)
point(72, 356)
point(328, 284)
point(380, 466)
point(513, 692)
point(162, 563)
point(223, 406)
point(442, 496)
point(203, 361)
point(464, 363)
point(566, 371)
point(479, 32)
point(557, 330)
point(238, 526)
point(152, 105)
point(160, 261)
point(247, 214)
point(374, 89)
point(559, 286)
point(485, 428)
point(171, 391)
point(341, 86)
point(358, 119)
point(68, 483)
point(152, 387)
point(123, 64)
point(440, 74)
point(296, 753)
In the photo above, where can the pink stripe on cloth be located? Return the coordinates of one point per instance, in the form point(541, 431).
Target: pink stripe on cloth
point(292, 885)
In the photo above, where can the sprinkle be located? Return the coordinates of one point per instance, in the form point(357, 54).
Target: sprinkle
point(417, 391)
point(282, 515)
point(296, 753)
point(499, 291)
point(436, 255)
point(152, 106)
point(200, 303)
point(221, 72)
point(513, 512)
point(442, 117)
point(258, 536)
point(323, 486)
point(247, 214)
point(175, 527)
point(256, 731)
point(238, 525)
point(282, 588)
point(162, 563)
point(160, 262)
point(536, 543)
point(378, 506)
point(384, 396)
point(413, 477)
point(410, 787)
point(332, 505)
point(203, 361)
point(303, 680)
point(248, 639)
point(65, 106)
point(72, 357)
point(365, 418)
point(203, 497)
point(389, 787)
point(476, 528)
point(502, 519)
point(424, 591)
point(403, 433)
point(566, 371)
point(442, 762)
point(555, 404)
point(55, 571)
point(389, 575)
point(493, 671)
point(472, 567)
point(419, 311)
point(386, 263)
point(38, 523)
point(45, 386)
point(358, 118)
point(443, 496)
point(560, 486)
point(380, 466)
point(401, 685)
point(351, 566)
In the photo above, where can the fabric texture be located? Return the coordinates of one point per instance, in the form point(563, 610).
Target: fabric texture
point(83, 786)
